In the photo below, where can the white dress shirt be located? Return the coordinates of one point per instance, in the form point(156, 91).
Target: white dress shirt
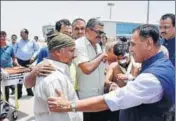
point(145, 89)
point(45, 87)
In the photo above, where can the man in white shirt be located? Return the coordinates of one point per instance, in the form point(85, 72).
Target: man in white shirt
point(61, 50)
point(90, 66)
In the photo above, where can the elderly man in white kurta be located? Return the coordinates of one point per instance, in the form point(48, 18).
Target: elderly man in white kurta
point(61, 49)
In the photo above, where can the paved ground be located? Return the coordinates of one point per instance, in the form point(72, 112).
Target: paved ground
point(25, 111)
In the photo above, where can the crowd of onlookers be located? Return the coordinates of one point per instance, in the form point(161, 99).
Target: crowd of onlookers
point(100, 63)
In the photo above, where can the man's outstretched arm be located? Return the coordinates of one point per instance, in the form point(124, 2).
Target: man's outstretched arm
point(40, 70)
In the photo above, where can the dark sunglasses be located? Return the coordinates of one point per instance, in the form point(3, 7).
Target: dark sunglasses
point(100, 33)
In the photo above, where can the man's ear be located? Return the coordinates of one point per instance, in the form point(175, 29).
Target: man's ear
point(57, 52)
point(149, 43)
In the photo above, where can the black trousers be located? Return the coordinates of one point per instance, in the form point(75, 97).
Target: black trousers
point(12, 87)
point(112, 116)
point(101, 116)
point(24, 63)
point(7, 90)
point(7, 93)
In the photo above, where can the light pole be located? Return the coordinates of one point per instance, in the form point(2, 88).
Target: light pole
point(148, 11)
point(110, 5)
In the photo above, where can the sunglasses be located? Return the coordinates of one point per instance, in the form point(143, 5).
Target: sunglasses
point(99, 32)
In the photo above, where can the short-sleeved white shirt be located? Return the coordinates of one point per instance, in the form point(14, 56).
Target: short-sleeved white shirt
point(45, 87)
point(92, 84)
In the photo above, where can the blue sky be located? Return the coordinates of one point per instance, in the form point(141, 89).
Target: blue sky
point(32, 15)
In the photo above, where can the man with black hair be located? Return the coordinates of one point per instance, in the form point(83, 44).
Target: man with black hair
point(36, 38)
point(26, 52)
point(8, 58)
point(61, 26)
point(124, 69)
point(14, 40)
point(64, 26)
point(167, 31)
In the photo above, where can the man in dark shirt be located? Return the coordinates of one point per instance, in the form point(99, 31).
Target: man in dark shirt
point(167, 31)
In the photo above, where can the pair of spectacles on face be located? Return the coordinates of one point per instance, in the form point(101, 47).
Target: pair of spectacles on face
point(98, 32)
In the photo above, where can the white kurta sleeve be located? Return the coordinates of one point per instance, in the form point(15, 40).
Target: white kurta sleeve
point(81, 55)
point(145, 89)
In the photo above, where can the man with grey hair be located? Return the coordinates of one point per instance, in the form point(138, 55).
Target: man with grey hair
point(61, 53)
point(149, 97)
point(78, 28)
point(90, 66)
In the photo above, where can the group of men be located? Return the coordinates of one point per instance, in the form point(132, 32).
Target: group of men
point(18, 53)
point(141, 94)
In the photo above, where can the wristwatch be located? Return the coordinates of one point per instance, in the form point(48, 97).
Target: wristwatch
point(73, 106)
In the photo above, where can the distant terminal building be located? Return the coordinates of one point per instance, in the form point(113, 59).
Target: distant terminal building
point(111, 28)
point(118, 28)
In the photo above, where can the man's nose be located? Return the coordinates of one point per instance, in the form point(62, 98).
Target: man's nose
point(130, 49)
point(162, 29)
point(80, 31)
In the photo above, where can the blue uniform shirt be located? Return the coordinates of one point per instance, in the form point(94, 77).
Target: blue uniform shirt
point(26, 49)
point(42, 54)
point(6, 56)
point(170, 45)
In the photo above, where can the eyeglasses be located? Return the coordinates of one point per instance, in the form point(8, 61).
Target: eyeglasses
point(99, 32)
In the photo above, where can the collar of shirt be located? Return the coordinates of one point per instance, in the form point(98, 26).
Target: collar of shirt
point(97, 46)
point(5, 47)
point(25, 40)
point(59, 65)
point(87, 42)
point(151, 60)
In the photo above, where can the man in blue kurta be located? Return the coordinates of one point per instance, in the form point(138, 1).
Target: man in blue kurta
point(148, 98)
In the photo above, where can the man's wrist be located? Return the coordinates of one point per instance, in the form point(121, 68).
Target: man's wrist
point(72, 106)
point(35, 72)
